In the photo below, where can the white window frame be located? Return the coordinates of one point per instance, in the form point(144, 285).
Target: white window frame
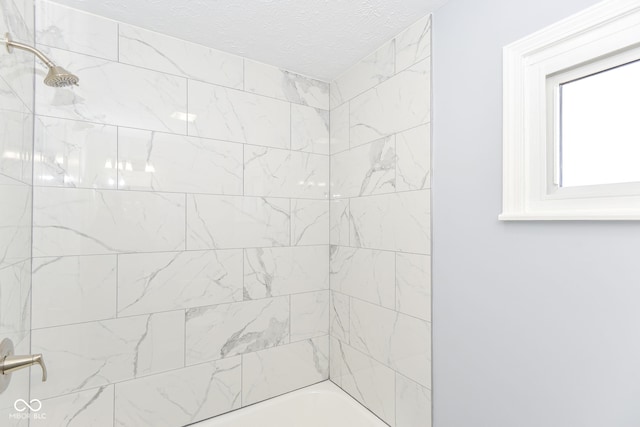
point(599, 38)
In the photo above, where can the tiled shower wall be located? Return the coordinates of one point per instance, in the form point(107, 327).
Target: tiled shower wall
point(380, 230)
point(16, 142)
point(181, 228)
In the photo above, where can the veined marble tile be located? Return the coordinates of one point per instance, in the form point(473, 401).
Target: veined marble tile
point(368, 169)
point(94, 354)
point(158, 161)
point(69, 221)
point(309, 222)
point(159, 52)
point(399, 341)
point(413, 44)
point(226, 330)
point(339, 316)
point(9, 100)
point(309, 129)
point(15, 221)
point(272, 172)
point(369, 72)
point(309, 315)
point(272, 81)
point(339, 132)
point(219, 222)
point(413, 403)
point(368, 381)
point(70, 153)
point(71, 29)
point(232, 115)
point(16, 144)
point(363, 273)
point(117, 94)
point(179, 397)
point(413, 285)
point(73, 290)
point(396, 222)
point(19, 387)
point(87, 408)
point(282, 369)
point(15, 289)
point(400, 103)
point(150, 283)
point(339, 222)
point(413, 166)
point(282, 271)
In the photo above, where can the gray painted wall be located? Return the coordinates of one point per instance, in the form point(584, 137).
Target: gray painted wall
point(535, 323)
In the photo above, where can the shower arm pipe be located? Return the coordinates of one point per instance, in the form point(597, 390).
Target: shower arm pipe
point(13, 44)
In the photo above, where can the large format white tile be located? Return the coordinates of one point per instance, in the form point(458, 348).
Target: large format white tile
point(69, 221)
point(16, 144)
point(117, 94)
point(71, 29)
point(400, 103)
point(309, 315)
point(226, 330)
point(231, 115)
point(368, 169)
point(179, 397)
point(19, 386)
point(272, 81)
point(399, 341)
point(413, 44)
point(365, 274)
point(165, 162)
point(309, 129)
point(413, 285)
point(15, 289)
point(397, 222)
point(159, 52)
point(413, 403)
point(413, 165)
point(272, 172)
point(87, 408)
point(339, 129)
point(150, 283)
point(309, 222)
point(282, 271)
point(87, 355)
point(282, 369)
point(339, 222)
point(71, 153)
point(339, 316)
point(219, 222)
point(73, 289)
point(15, 221)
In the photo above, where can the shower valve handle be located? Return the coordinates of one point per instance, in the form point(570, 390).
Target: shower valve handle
point(14, 363)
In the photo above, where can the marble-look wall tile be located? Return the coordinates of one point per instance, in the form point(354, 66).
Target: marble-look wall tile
point(70, 29)
point(339, 316)
point(71, 153)
point(271, 81)
point(15, 289)
point(413, 165)
point(282, 369)
point(16, 144)
point(309, 315)
point(272, 272)
point(231, 115)
point(309, 129)
point(368, 381)
point(94, 354)
point(400, 103)
point(71, 221)
point(15, 221)
point(220, 222)
point(365, 170)
point(159, 52)
point(339, 132)
point(158, 161)
point(399, 341)
point(19, 387)
point(365, 274)
point(226, 330)
point(309, 222)
point(87, 408)
point(116, 94)
point(413, 44)
point(413, 403)
point(413, 285)
point(272, 172)
point(397, 222)
point(73, 289)
point(150, 283)
point(179, 397)
point(339, 222)
point(369, 72)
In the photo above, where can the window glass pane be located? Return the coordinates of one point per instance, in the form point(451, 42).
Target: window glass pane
point(600, 128)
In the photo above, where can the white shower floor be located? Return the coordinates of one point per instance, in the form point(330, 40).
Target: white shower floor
point(320, 405)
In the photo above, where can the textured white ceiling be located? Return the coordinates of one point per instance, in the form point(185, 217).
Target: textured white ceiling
point(319, 38)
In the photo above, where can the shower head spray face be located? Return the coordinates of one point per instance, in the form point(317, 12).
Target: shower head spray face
point(59, 77)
